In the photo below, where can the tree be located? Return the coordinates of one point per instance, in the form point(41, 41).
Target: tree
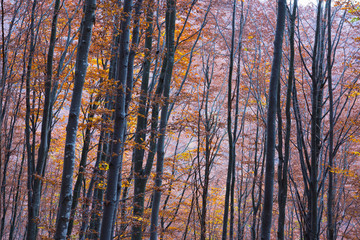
point(71, 129)
point(118, 137)
point(231, 168)
point(284, 160)
point(166, 81)
point(266, 218)
point(35, 177)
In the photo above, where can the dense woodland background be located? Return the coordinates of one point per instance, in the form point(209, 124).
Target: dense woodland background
point(153, 119)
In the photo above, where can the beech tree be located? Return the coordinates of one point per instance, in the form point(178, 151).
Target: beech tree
point(284, 159)
point(266, 218)
point(35, 175)
point(63, 216)
point(164, 80)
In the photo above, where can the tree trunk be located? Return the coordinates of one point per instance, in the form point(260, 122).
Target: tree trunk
point(141, 174)
point(104, 149)
point(115, 166)
point(82, 166)
point(331, 224)
point(229, 130)
point(45, 130)
point(63, 216)
point(283, 165)
point(32, 213)
point(316, 117)
point(266, 218)
point(170, 34)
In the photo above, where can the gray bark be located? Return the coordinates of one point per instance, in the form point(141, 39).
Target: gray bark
point(103, 152)
point(330, 214)
point(81, 65)
point(83, 161)
point(266, 218)
point(231, 165)
point(141, 174)
point(32, 226)
point(170, 33)
point(115, 165)
point(45, 130)
point(316, 116)
point(283, 163)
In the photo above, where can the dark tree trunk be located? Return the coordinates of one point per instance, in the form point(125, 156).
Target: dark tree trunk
point(32, 213)
point(103, 156)
point(141, 174)
point(330, 215)
point(45, 128)
point(170, 34)
point(115, 166)
point(257, 179)
point(266, 218)
point(316, 117)
point(81, 65)
point(95, 183)
point(283, 163)
point(16, 199)
point(130, 82)
point(82, 166)
point(231, 165)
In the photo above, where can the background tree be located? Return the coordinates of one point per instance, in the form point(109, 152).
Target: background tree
point(69, 155)
point(266, 218)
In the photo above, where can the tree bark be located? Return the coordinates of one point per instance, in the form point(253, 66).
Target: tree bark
point(45, 129)
point(330, 217)
point(115, 166)
point(104, 149)
point(81, 65)
point(170, 34)
point(141, 174)
point(231, 164)
point(32, 215)
point(82, 166)
point(316, 117)
point(283, 165)
point(266, 218)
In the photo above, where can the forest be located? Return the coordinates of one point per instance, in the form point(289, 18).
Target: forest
point(179, 119)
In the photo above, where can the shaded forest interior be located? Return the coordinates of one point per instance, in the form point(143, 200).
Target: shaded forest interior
point(179, 119)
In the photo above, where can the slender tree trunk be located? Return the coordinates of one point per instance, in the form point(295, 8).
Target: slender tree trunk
point(229, 130)
point(83, 160)
point(130, 81)
point(5, 171)
point(170, 34)
point(3, 67)
point(266, 218)
point(330, 217)
point(32, 215)
point(141, 174)
point(316, 116)
point(81, 65)
point(103, 156)
point(283, 165)
point(6, 86)
point(210, 131)
point(45, 129)
point(256, 178)
point(206, 173)
point(95, 182)
point(2, 89)
point(16, 199)
point(236, 134)
point(115, 166)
